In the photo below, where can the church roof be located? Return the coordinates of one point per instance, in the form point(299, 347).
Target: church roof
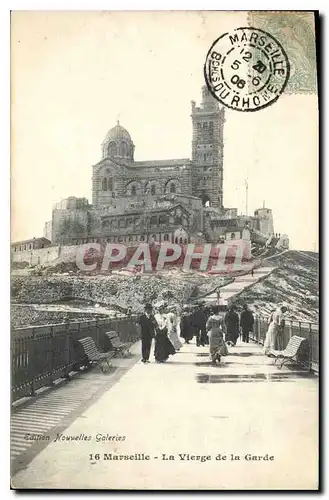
point(117, 132)
point(163, 163)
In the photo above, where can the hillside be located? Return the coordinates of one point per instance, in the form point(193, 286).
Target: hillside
point(295, 282)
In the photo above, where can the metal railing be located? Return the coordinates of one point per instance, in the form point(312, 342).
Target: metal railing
point(42, 354)
point(309, 354)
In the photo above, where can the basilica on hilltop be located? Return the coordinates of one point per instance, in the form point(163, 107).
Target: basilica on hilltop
point(178, 200)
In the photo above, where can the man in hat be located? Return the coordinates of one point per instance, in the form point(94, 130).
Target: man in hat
point(246, 322)
point(199, 320)
point(186, 329)
point(148, 325)
point(231, 320)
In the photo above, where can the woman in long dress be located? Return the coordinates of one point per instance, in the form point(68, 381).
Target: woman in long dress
point(215, 328)
point(173, 328)
point(163, 346)
point(269, 342)
point(276, 325)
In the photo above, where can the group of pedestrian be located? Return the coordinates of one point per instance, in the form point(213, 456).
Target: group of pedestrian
point(161, 326)
point(193, 324)
point(209, 326)
point(238, 326)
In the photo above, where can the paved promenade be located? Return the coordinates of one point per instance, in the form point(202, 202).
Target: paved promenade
point(244, 407)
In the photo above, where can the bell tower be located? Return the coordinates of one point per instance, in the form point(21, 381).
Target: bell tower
point(207, 150)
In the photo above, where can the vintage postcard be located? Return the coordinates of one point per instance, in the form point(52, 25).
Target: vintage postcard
point(164, 250)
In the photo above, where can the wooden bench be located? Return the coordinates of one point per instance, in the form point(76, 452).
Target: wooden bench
point(116, 344)
point(290, 353)
point(94, 355)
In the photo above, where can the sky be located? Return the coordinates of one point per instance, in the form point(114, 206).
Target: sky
point(74, 74)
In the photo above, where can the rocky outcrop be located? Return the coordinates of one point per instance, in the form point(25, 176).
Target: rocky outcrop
point(295, 282)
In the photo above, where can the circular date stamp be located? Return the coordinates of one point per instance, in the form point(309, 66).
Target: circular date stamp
point(246, 69)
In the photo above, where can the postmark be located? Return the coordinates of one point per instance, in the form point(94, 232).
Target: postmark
point(246, 69)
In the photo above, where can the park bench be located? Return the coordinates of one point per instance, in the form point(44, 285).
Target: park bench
point(116, 344)
point(290, 353)
point(94, 355)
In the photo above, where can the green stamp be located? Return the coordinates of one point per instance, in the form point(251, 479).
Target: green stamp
point(295, 31)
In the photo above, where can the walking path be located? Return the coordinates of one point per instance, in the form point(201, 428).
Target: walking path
point(54, 410)
point(244, 407)
point(239, 284)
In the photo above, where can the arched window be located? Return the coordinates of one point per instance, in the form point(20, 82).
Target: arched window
point(133, 190)
point(112, 151)
point(232, 236)
point(185, 241)
point(123, 148)
point(172, 186)
point(176, 240)
point(180, 240)
point(153, 189)
point(166, 237)
point(109, 184)
point(142, 238)
point(104, 184)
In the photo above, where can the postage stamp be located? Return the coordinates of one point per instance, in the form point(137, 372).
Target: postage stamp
point(246, 69)
point(295, 31)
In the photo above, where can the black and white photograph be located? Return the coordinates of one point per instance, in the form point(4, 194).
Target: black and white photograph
point(164, 255)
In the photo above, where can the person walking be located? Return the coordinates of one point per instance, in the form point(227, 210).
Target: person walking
point(246, 322)
point(172, 318)
point(215, 328)
point(148, 326)
point(186, 329)
point(163, 347)
point(199, 320)
point(231, 321)
point(276, 326)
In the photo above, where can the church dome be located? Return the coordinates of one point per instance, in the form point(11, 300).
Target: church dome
point(117, 132)
point(118, 144)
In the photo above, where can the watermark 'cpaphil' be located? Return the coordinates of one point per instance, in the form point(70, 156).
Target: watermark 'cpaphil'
point(152, 258)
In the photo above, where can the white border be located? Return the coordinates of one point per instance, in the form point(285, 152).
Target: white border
point(5, 8)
